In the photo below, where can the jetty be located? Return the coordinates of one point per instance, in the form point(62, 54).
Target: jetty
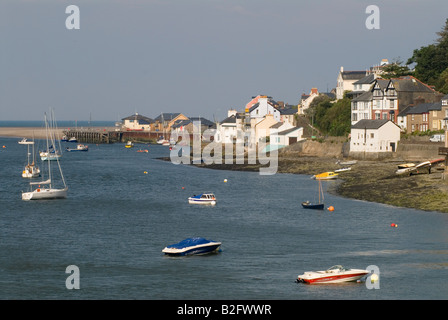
point(113, 135)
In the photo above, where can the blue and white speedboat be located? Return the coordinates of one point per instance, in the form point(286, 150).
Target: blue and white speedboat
point(190, 246)
point(203, 198)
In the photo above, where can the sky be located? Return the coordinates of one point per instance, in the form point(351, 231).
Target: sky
point(196, 57)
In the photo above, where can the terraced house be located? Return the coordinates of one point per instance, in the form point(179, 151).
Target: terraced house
point(386, 98)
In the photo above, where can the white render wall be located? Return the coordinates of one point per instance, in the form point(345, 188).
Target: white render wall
point(362, 140)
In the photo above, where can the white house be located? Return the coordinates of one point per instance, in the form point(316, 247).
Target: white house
point(361, 107)
point(306, 99)
point(345, 81)
point(374, 136)
point(136, 122)
point(261, 108)
point(283, 138)
point(227, 130)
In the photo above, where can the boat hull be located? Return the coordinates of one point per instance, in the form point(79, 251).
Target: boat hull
point(318, 206)
point(317, 277)
point(332, 279)
point(200, 201)
point(44, 194)
point(192, 246)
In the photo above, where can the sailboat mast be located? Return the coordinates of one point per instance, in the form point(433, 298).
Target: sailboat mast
point(48, 149)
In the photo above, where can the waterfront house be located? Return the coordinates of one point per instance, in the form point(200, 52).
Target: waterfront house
point(374, 137)
point(306, 99)
point(423, 117)
point(228, 129)
point(165, 121)
point(187, 126)
point(283, 134)
point(345, 81)
point(136, 122)
point(288, 114)
point(389, 97)
point(361, 107)
point(263, 106)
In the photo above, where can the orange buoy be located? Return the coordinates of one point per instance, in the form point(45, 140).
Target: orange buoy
point(394, 225)
point(330, 208)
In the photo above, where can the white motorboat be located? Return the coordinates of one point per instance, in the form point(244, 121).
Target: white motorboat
point(25, 141)
point(203, 198)
point(79, 147)
point(192, 246)
point(335, 274)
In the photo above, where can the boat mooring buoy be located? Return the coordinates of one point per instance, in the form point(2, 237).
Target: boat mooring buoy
point(394, 225)
point(330, 208)
point(225, 180)
point(374, 278)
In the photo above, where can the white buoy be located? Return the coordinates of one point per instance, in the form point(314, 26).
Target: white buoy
point(225, 180)
point(373, 278)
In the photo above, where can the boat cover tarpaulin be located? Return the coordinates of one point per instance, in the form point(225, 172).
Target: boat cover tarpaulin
point(189, 243)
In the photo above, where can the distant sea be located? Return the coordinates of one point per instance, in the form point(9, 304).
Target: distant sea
point(60, 123)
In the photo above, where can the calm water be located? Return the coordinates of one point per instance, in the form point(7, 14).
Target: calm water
point(117, 219)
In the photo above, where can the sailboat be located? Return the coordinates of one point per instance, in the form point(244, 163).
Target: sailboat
point(46, 189)
point(52, 153)
point(31, 170)
point(320, 204)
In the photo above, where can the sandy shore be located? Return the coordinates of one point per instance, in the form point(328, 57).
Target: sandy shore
point(27, 132)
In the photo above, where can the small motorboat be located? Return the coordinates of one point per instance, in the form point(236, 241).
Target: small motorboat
point(335, 274)
point(72, 139)
point(192, 246)
point(325, 175)
point(203, 198)
point(79, 147)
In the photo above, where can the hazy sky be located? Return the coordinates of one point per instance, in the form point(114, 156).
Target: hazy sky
point(197, 57)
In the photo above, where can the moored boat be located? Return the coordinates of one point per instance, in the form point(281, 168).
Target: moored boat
point(329, 175)
point(79, 147)
point(335, 274)
point(203, 198)
point(129, 144)
point(192, 246)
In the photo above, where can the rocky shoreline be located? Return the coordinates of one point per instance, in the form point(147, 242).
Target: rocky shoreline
point(373, 181)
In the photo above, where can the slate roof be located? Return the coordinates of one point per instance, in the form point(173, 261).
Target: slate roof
point(410, 84)
point(366, 80)
point(353, 75)
point(167, 116)
point(370, 124)
point(141, 119)
point(366, 96)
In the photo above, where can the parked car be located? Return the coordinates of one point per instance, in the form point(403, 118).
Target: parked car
point(437, 138)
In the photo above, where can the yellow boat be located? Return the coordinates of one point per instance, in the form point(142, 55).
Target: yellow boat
point(326, 175)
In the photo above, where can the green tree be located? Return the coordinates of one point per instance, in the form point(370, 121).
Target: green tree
point(395, 69)
point(432, 60)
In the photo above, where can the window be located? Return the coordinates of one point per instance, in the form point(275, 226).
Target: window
point(377, 115)
point(354, 116)
point(391, 103)
point(372, 135)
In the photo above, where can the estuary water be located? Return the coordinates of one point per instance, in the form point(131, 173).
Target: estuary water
point(124, 207)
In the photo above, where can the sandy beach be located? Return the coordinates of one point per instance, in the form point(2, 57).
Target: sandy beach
point(27, 132)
